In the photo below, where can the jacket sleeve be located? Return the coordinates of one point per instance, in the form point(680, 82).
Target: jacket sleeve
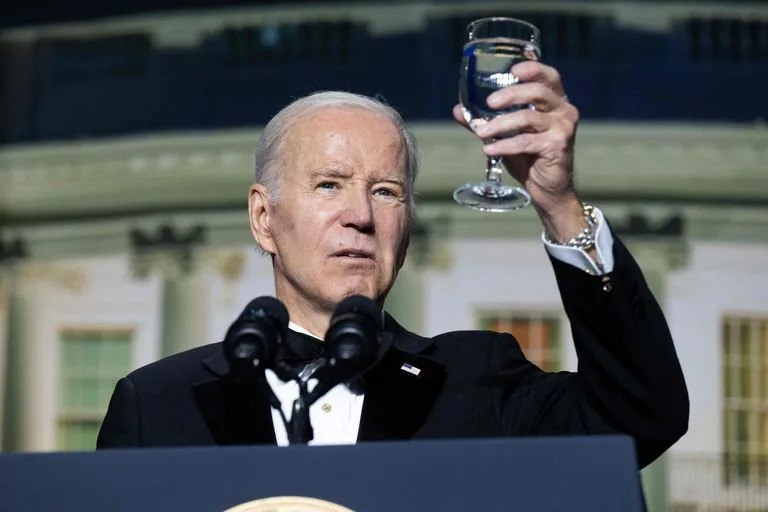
point(122, 426)
point(629, 379)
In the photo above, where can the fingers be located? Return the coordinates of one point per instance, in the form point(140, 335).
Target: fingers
point(523, 144)
point(536, 93)
point(532, 71)
point(458, 115)
point(564, 119)
point(524, 120)
point(554, 145)
point(547, 129)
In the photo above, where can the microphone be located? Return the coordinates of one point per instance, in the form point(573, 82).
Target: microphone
point(252, 340)
point(351, 343)
point(352, 339)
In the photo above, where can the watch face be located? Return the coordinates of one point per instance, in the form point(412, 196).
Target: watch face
point(288, 504)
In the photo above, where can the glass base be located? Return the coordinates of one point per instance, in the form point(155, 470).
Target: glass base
point(491, 196)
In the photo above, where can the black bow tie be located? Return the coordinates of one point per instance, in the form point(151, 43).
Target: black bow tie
point(299, 350)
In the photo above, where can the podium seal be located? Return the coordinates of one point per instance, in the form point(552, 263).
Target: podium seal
point(288, 504)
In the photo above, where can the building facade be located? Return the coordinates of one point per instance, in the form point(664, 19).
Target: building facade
point(118, 250)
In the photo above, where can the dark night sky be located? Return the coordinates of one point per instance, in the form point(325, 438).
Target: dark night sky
point(24, 12)
point(15, 12)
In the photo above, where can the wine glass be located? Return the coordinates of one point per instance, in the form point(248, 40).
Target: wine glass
point(493, 46)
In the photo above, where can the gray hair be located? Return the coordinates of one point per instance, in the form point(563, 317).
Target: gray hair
point(268, 156)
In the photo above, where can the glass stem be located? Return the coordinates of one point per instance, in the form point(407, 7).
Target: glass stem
point(493, 169)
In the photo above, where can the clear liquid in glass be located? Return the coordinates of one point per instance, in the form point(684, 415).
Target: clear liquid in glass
point(485, 68)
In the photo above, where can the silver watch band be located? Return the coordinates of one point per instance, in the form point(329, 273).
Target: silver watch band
point(584, 240)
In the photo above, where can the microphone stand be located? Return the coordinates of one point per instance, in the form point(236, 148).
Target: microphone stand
point(300, 431)
point(299, 427)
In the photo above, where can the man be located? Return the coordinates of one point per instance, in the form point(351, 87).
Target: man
point(332, 206)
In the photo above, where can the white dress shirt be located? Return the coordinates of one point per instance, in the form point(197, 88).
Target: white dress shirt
point(579, 258)
point(335, 417)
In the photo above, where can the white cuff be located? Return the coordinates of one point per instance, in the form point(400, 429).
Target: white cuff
point(579, 258)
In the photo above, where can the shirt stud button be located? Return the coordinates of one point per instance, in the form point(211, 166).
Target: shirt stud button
point(326, 407)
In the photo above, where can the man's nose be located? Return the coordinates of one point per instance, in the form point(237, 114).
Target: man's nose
point(358, 211)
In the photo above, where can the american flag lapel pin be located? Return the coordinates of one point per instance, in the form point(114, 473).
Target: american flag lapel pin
point(410, 369)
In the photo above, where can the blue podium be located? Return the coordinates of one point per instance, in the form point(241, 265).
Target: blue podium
point(546, 473)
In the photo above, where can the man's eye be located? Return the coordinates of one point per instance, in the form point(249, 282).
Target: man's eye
point(328, 185)
point(385, 192)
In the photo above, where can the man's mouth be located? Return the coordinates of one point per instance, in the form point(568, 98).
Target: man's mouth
point(353, 253)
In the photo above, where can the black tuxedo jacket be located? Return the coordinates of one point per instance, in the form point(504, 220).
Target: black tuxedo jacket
point(471, 384)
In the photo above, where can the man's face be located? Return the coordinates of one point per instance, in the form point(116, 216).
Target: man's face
point(340, 226)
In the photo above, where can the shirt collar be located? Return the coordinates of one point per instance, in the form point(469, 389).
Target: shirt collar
point(297, 328)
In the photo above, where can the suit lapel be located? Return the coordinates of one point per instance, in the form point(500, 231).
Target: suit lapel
point(401, 388)
point(235, 411)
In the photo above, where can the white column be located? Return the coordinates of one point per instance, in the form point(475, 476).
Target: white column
point(405, 301)
point(172, 252)
point(427, 250)
point(183, 297)
point(656, 259)
point(185, 312)
point(4, 300)
point(18, 378)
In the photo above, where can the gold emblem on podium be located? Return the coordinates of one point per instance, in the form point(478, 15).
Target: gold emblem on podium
point(288, 504)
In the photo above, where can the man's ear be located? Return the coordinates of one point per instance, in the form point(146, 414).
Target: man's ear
point(259, 210)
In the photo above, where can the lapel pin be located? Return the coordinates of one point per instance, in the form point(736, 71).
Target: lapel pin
point(410, 369)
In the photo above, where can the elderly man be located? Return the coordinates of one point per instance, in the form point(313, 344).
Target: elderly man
point(332, 205)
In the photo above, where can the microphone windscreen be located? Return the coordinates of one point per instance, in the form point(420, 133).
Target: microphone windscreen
point(268, 306)
point(362, 306)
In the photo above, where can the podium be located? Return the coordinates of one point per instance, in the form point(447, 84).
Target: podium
point(592, 473)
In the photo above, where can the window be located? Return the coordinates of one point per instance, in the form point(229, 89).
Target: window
point(745, 390)
point(726, 39)
point(564, 36)
point(537, 333)
point(316, 41)
point(90, 364)
point(96, 57)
